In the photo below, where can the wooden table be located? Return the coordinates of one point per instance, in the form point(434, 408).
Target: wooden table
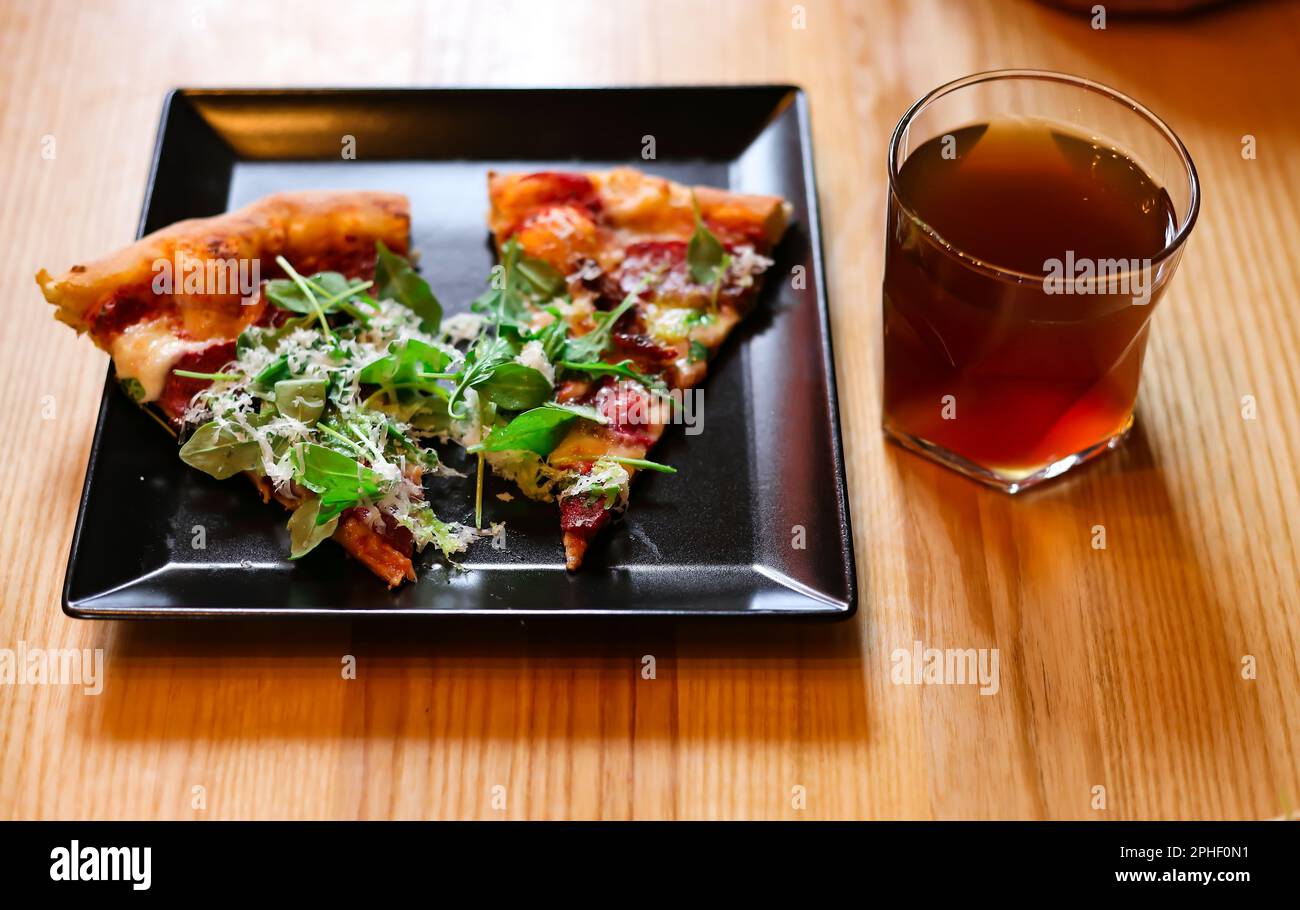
point(1121, 668)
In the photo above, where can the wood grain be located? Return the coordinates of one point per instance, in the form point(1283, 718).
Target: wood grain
point(1120, 668)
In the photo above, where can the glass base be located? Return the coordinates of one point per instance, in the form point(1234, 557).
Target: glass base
point(1008, 481)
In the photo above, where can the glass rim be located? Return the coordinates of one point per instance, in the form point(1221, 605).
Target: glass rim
point(895, 140)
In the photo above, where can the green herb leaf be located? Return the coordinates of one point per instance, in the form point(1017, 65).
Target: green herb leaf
point(705, 255)
point(539, 277)
point(515, 387)
point(273, 372)
point(214, 377)
point(624, 369)
point(539, 430)
point(332, 290)
point(132, 387)
point(517, 281)
point(552, 336)
point(218, 451)
point(606, 481)
point(304, 530)
point(340, 481)
point(643, 464)
point(404, 363)
point(301, 399)
point(697, 352)
point(589, 348)
point(426, 528)
point(269, 337)
point(481, 361)
point(396, 280)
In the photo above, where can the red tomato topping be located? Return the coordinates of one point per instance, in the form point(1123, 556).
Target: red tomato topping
point(178, 390)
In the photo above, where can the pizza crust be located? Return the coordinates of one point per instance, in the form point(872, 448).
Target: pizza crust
point(305, 228)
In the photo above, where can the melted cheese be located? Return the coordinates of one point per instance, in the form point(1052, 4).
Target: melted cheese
point(147, 351)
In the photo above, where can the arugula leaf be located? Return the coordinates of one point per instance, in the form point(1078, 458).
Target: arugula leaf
point(331, 290)
point(216, 450)
point(406, 364)
point(481, 361)
point(301, 399)
point(542, 278)
point(552, 336)
point(515, 387)
point(132, 387)
point(588, 348)
point(396, 280)
point(539, 430)
point(579, 410)
point(517, 281)
point(706, 257)
point(340, 481)
point(304, 531)
point(425, 412)
point(624, 369)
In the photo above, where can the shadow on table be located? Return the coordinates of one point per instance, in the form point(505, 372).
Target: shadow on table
point(503, 679)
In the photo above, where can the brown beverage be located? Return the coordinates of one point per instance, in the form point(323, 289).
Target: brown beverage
point(984, 359)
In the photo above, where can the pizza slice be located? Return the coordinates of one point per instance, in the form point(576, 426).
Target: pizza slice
point(618, 286)
point(276, 341)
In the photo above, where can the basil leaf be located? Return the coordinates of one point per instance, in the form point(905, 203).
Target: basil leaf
point(705, 256)
point(301, 399)
point(404, 363)
point(216, 450)
point(515, 387)
point(340, 481)
point(481, 361)
point(396, 280)
point(539, 430)
point(304, 531)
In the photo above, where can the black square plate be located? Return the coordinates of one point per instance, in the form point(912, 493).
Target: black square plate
point(756, 521)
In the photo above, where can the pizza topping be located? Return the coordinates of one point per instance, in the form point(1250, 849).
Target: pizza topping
point(629, 411)
point(328, 407)
point(605, 481)
point(533, 355)
point(183, 383)
point(583, 515)
point(147, 351)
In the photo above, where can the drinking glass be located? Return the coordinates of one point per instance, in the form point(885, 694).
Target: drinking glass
point(995, 371)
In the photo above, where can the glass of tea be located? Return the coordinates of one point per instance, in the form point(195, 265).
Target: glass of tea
point(1035, 219)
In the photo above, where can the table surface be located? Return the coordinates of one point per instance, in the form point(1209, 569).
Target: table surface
point(1162, 669)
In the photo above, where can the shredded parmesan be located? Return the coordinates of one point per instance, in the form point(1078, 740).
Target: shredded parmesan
point(534, 355)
